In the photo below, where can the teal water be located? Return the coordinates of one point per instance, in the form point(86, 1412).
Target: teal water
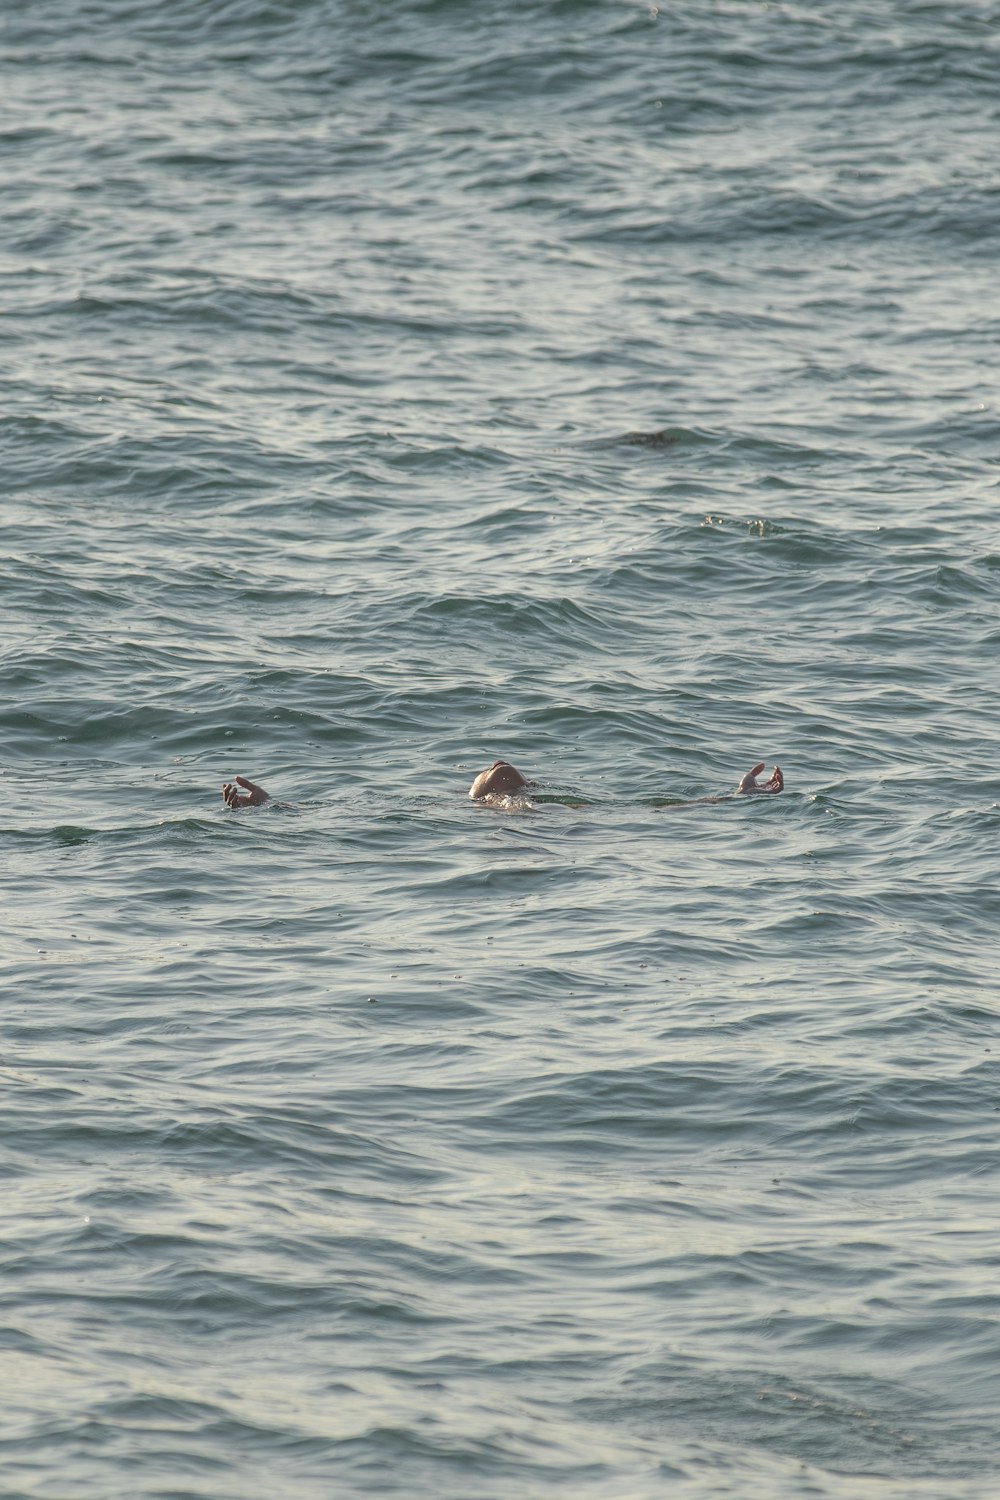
point(605, 386)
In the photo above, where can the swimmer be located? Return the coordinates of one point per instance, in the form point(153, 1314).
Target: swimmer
point(496, 783)
point(500, 780)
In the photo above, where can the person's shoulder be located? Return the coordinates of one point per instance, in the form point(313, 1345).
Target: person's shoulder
point(501, 777)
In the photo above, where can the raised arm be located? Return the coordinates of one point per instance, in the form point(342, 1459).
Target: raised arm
point(749, 785)
point(256, 795)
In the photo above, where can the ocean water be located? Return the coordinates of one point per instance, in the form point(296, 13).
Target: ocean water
point(607, 386)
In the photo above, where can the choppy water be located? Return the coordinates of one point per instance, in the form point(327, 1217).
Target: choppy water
point(387, 389)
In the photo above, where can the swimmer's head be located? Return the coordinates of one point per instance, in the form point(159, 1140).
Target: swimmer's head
point(501, 779)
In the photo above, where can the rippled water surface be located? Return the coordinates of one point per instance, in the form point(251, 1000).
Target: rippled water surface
point(605, 386)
